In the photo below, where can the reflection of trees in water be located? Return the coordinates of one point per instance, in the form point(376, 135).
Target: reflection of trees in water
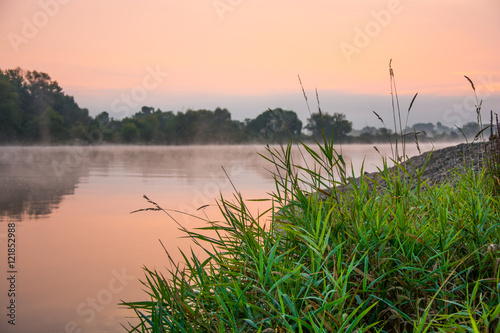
point(34, 180)
point(31, 184)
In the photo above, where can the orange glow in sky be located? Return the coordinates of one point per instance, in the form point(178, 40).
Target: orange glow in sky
point(100, 49)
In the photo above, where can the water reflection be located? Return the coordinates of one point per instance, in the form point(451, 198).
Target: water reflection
point(30, 185)
point(34, 180)
point(87, 194)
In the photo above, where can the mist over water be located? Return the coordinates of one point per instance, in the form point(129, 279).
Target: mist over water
point(34, 180)
point(80, 251)
point(30, 185)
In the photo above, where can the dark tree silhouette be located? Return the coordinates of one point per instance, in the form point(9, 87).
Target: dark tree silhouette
point(336, 125)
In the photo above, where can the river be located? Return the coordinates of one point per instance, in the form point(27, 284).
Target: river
point(70, 250)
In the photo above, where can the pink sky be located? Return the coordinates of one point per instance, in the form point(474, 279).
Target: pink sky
point(242, 54)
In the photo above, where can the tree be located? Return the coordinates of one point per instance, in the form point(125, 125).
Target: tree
point(129, 132)
point(222, 115)
point(336, 125)
point(37, 93)
point(147, 110)
point(276, 124)
point(369, 130)
point(291, 122)
point(148, 127)
point(52, 126)
point(78, 131)
point(471, 129)
point(103, 118)
point(167, 126)
point(440, 128)
point(426, 127)
point(385, 133)
point(10, 111)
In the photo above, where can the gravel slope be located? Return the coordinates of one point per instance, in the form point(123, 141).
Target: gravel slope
point(442, 165)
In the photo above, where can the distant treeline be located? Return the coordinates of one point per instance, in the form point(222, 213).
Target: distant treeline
point(34, 109)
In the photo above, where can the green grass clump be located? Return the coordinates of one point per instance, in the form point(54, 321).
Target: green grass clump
point(359, 257)
point(359, 260)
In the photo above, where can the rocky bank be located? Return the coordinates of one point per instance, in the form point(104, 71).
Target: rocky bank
point(442, 165)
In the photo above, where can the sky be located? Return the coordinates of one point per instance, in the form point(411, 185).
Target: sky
point(247, 55)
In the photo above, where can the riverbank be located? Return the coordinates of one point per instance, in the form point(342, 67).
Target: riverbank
point(393, 260)
point(433, 167)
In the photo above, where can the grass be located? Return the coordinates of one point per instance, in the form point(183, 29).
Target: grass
point(406, 258)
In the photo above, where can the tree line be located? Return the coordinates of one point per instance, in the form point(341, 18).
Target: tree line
point(34, 109)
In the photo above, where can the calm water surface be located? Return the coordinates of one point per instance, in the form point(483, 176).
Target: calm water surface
point(79, 251)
